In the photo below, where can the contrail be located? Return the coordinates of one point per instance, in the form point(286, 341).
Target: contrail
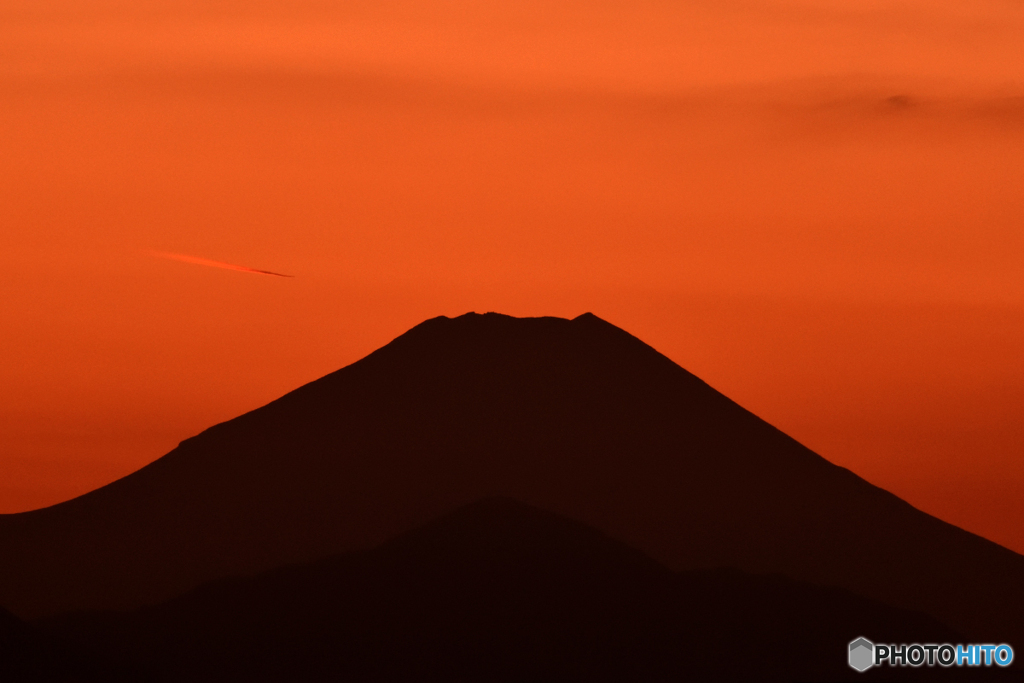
point(185, 258)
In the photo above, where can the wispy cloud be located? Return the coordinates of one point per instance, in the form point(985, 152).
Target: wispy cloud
point(199, 261)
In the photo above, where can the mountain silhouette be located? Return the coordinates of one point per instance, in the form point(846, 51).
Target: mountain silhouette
point(498, 591)
point(572, 416)
point(30, 655)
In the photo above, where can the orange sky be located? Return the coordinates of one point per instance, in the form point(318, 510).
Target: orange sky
point(815, 206)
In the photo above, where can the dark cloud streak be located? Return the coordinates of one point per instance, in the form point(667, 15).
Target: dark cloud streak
point(199, 261)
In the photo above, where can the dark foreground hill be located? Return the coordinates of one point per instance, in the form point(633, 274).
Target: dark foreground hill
point(573, 416)
point(498, 591)
point(30, 655)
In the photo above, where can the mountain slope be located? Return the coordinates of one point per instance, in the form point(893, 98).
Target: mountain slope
point(577, 417)
point(29, 655)
point(498, 591)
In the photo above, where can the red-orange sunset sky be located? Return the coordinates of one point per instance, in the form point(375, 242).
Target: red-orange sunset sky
point(815, 206)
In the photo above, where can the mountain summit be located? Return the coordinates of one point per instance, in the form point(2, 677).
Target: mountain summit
point(573, 416)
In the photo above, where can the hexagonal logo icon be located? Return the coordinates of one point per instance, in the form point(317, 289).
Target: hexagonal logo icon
point(862, 654)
